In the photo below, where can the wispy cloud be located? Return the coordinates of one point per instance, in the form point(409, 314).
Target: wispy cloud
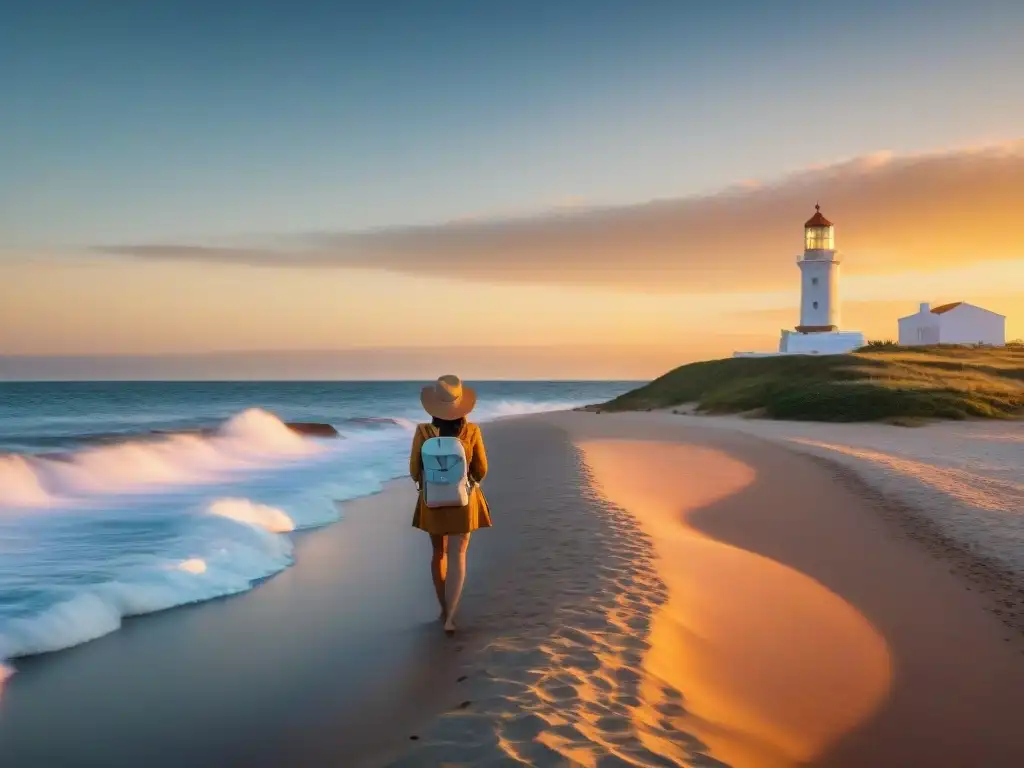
point(893, 214)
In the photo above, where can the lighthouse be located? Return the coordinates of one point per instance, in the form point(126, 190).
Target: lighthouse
point(818, 331)
point(819, 276)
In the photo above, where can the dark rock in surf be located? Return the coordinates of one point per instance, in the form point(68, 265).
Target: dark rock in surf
point(313, 429)
point(372, 421)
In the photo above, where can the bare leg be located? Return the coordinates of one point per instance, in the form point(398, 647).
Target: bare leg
point(438, 569)
point(453, 586)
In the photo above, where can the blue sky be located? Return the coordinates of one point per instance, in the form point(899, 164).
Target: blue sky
point(148, 121)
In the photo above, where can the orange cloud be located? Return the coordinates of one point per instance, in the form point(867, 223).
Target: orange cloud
point(893, 213)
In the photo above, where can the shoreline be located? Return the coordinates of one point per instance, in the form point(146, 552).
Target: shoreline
point(338, 657)
point(333, 658)
point(596, 624)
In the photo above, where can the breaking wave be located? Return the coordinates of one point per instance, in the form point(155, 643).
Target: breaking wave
point(249, 440)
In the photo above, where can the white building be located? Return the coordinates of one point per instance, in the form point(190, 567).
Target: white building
point(818, 332)
point(958, 323)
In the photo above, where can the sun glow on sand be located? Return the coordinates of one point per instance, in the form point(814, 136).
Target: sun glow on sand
point(775, 668)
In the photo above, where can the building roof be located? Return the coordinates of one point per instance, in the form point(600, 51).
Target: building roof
point(943, 309)
point(817, 220)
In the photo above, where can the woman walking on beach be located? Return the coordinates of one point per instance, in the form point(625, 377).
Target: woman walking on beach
point(448, 461)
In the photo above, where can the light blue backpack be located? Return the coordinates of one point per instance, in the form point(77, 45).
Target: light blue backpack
point(445, 472)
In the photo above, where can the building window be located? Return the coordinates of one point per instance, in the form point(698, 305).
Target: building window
point(815, 305)
point(814, 281)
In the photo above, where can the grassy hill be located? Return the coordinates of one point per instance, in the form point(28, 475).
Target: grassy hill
point(883, 383)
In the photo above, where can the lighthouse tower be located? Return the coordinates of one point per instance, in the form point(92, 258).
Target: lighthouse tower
point(819, 276)
point(818, 332)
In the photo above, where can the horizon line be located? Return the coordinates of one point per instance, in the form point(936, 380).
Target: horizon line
point(528, 380)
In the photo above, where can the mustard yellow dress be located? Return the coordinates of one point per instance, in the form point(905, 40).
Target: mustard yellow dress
point(445, 521)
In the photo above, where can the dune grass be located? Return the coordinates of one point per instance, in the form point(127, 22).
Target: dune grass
point(903, 385)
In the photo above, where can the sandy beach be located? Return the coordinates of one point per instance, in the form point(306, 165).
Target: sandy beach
point(861, 649)
point(658, 590)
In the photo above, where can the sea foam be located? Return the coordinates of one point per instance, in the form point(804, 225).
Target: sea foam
point(98, 609)
point(261, 515)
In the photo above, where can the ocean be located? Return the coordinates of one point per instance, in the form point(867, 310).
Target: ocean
point(124, 498)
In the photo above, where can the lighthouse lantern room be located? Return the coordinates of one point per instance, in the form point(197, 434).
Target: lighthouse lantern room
point(819, 232)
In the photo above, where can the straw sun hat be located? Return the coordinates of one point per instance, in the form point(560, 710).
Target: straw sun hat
point(447, 398)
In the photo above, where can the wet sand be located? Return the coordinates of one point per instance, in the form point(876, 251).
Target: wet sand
point(333, 659)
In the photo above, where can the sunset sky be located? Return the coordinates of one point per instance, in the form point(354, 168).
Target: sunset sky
point(582, 188)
